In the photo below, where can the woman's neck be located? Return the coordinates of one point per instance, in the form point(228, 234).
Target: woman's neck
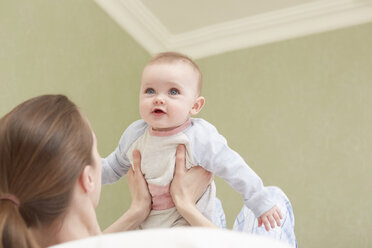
point(79, 222)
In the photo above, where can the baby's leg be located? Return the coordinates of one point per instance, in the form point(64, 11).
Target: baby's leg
point(219, 218)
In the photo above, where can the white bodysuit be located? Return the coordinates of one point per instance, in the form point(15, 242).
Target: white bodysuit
point(204, 147)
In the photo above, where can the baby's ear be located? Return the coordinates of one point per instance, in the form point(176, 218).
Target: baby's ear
point(198, 105)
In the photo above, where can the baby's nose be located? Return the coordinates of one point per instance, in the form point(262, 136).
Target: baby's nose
point(159, 101)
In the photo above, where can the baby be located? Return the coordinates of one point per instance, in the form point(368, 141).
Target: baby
point(169, 95)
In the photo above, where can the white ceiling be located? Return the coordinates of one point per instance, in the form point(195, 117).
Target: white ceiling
point(201, 28)
point(183, 16)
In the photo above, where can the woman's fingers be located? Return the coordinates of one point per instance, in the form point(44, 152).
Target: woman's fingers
point(136, 181)
point(181, 160)
point(136, 160)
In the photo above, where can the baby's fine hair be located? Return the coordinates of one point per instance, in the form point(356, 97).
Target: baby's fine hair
point(172, 57)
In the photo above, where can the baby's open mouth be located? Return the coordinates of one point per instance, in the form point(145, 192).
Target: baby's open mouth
point(158, 111)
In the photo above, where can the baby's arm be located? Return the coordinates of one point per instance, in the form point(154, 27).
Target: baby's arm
point(117, 163)
point(211, 151)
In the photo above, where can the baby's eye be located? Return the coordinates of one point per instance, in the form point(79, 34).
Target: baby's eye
point(150, 91)
point(174, 91)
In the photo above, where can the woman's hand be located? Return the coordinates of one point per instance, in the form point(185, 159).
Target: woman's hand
point(141, 198)
point(187, 187)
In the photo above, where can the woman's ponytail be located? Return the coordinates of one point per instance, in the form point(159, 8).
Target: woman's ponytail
point(13, 229)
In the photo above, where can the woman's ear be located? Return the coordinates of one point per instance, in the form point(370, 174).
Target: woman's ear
point(198, 105)
point(86, 179)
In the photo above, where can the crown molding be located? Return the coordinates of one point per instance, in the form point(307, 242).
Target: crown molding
point(301, 20)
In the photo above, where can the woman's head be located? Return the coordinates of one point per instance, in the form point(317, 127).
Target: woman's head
point(45, 143)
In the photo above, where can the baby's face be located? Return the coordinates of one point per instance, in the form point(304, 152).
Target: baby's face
point(167, 95)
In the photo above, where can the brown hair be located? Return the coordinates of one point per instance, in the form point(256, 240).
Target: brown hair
point(172, 57)
point(44, 144)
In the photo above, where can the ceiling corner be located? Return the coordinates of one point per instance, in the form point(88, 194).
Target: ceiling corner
point(301, 20)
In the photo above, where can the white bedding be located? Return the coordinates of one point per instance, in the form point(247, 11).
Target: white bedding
point(181, 237)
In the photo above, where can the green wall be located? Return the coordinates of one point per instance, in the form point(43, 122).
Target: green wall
point(297, 110)
point(73, 47)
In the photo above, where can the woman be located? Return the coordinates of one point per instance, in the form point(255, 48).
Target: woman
point(50, 178)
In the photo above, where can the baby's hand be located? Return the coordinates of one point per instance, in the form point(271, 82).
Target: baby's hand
point(270, 217)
